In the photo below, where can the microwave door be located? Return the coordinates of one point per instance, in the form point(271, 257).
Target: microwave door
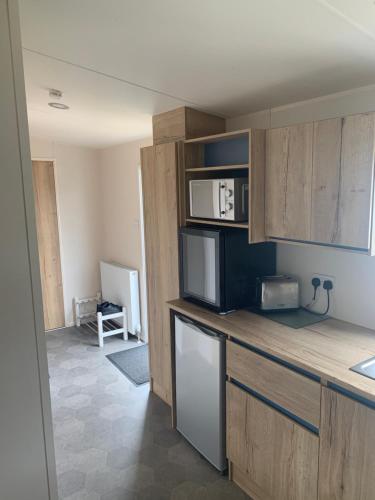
point(205, 198)
point(201, 198)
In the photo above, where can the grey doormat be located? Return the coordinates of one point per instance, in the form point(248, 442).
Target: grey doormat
point(133, 363)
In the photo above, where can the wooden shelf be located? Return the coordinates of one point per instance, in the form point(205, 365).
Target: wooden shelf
point(240, 225)
point(231, 154)
point(219, 137)
point(224, 167)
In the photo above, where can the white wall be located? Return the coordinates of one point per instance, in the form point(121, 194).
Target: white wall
point(79, 213)
point(121, 216)
point(354, 294)
point(98, 203)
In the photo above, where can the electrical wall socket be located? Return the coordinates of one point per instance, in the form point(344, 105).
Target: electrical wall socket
point(324, 277)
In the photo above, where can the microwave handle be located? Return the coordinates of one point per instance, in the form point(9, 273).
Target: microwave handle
point(216, 202)
point(221, 190)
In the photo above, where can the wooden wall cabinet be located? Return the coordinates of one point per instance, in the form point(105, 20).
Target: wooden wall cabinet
point(347, 449)
point(356, 181)
point(273, 458)
point(185, 123)
point(288, 182)
point(326, 180)
point(319, 182)
point(159, 180)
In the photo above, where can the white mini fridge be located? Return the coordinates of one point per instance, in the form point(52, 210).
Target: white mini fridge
point(200, 389)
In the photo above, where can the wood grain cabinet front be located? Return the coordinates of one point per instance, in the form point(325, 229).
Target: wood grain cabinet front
point(288, 389)
point(288, 182)
point(343, 181)
point(185, 123)
point(272, 457)
point(159, 182)
point(320, 182)
point(347, 449)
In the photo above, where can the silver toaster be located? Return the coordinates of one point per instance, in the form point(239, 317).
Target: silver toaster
point(276, 293)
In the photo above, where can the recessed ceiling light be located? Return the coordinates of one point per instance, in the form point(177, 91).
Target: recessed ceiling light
point(56, 94)
point(58, 105)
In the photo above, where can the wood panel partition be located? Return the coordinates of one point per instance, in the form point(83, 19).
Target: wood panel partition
point(48, 244)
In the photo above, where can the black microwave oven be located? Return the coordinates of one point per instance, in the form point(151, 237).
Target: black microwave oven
point(219, 269)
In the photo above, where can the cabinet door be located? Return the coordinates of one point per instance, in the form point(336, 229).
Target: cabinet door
point(276, 181)
point(356, 181)
point(159, 180)
point(326, 181)
point(347, 449)
point(277, 458)
point(288, 182)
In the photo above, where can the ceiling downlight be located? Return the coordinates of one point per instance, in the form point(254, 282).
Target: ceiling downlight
point(56, 94)
point(58, 105)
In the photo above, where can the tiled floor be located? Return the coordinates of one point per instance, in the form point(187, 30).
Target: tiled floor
point(113, 440)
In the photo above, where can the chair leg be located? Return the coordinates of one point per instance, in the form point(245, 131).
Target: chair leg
point(125, 323)
point(100, 329)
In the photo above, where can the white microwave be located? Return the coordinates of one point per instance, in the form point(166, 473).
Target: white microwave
point(226, 199)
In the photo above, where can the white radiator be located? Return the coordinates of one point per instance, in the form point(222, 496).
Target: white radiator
point(120, 286)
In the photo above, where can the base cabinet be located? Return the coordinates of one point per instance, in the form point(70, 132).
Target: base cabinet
point(273, 458)
point(347, 449)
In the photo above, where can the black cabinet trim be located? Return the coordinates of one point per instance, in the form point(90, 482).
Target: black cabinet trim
point(351, 395)
point(317, 243)
point(275, 406)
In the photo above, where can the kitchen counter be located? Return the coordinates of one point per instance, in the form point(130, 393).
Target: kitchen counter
point(326, 349)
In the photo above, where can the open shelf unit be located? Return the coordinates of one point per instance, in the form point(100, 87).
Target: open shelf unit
point(218, 168)
point(219, 137)
point(240, 225)
point(231, 154)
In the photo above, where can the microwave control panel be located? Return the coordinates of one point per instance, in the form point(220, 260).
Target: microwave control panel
point(227, 199)
point(233, 199)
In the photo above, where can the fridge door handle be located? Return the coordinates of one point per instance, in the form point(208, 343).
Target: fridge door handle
point(184, 319)
point(211, 333)
point(200, 328)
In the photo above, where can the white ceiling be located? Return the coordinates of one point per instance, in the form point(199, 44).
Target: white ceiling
point(103, 111)
point(120, 61)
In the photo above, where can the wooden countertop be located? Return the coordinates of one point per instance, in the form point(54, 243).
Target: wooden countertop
point(327, 349)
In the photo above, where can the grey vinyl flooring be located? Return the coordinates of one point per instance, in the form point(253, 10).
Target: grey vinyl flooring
point(114, 441)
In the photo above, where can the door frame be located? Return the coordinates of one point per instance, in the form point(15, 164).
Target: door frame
point(58, 212)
